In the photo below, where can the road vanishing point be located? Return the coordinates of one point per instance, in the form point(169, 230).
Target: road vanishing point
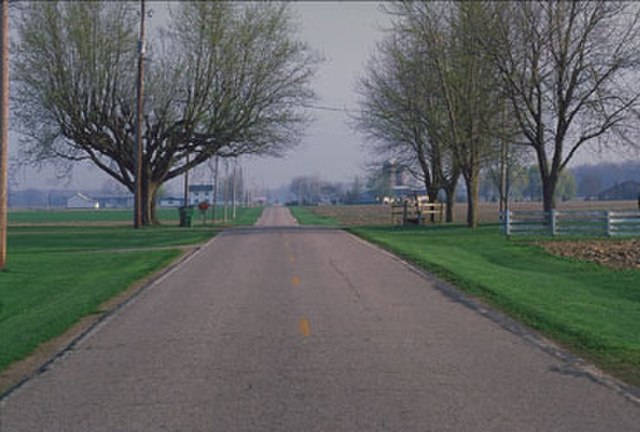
point(280, 327)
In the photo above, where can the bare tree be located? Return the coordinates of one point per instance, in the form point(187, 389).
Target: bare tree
point(392, 110)
point(448, 34)
point(401, 113)
point(568, 70)
point(230, 80)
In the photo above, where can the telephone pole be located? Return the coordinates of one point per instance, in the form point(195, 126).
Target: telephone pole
point(137, 196)
point(4, 128)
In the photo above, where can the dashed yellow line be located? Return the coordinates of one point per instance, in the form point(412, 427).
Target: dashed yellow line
point(295, 280)
point(304, 327)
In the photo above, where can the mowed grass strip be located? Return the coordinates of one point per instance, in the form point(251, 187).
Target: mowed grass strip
point(166, 216)
point(57, 275)
point(307, 216)
point(591, 309)
point(79, 216)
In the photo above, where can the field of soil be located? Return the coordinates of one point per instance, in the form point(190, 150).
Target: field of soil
point(487, 212)
point(619, 254)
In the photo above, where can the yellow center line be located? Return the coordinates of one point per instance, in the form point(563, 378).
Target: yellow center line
point(295, 280)
point(304, 327)
point(292, 258)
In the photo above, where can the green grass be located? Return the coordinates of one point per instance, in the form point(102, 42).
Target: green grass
point(590, 309)
point(306, 216)
point(166, 216)
point(244, 216)
point(70, 216)
point(58, 274)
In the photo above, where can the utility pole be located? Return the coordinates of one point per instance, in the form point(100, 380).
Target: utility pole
point(185, 195)
point(137, 217)
point(4, 129)
point(215, 188)
point(226, 191)
point(235, 187)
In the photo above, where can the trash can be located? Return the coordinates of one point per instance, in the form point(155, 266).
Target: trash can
point(186, 214)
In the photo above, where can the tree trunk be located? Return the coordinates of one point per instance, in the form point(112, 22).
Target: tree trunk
point(451, 199)
point(472, 184)
point(149, 192)
point(450, 190)
point(152, 216)
point(549, 192)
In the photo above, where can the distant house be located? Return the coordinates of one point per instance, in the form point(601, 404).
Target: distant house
point(171, 202)
point(200, 193)
point(81, 201)
point(629, 190)
point(125, 201)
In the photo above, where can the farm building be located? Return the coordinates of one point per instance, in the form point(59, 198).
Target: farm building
point(199, 193)
point(171, 202)
point(81, 201)
point(125, 201)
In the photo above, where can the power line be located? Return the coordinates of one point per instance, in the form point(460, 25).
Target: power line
point(329, 108)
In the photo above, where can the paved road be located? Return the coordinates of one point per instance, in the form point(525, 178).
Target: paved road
point(282, 328)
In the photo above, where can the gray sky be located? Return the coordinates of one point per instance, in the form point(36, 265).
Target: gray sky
point(344, 33)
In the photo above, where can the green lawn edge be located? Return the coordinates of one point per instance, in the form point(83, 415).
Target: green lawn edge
point(306, 216)
point(57, 275)
point(599, 329)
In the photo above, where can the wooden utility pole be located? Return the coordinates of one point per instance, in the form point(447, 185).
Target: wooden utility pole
point(226, 191)
point(4, 128)
point(137, 217)
point(185, 192)
point(215, 188)
point(235, 188)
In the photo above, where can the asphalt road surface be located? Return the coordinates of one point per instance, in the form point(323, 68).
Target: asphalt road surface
point(284, 328)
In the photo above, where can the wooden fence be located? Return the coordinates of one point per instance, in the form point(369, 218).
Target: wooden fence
point(416, 212)
point(572, 223)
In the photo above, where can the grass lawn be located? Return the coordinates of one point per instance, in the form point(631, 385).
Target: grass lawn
point(590, 309)
point(166, 216)
point(306, 216)
point(42, 216)
point(56, 275)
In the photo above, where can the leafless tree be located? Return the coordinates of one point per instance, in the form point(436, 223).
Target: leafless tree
point(448, 35)
point(569, 72)
point(230, 79)
point(401, 113)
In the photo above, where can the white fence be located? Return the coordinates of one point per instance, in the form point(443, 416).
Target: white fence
point(572, 223)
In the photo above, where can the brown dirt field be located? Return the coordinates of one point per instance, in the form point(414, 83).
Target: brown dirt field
point(487, 212)
point(617, 254)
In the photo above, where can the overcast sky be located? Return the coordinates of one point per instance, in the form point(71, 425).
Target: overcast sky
point(345, 34)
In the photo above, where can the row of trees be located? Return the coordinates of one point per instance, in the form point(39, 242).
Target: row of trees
point(459, 86)
point(525, 184)
point(225, 79)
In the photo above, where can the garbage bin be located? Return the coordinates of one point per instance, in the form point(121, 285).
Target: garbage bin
point(186, 214)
